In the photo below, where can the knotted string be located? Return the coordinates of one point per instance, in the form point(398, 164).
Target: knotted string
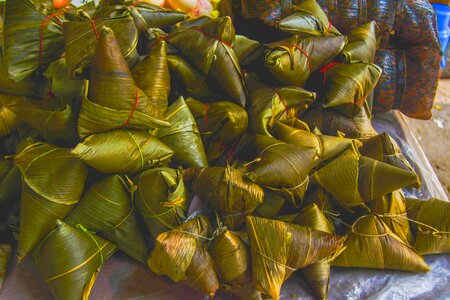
point(434, 231)
point(94, 27)
point(211, 37)
point(133, 109)
point(283, 102)
point(41, 34)
point(325, 69)
point(304, 53)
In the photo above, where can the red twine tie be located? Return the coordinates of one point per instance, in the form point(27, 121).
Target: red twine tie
point(325, 69)
point(212, 37)
point(95, 29)
point(41, 35)
point(282, 101)
point(329, 28)
point(134, 108)
point(135, 3)
point(358, 102)
point(304, 53)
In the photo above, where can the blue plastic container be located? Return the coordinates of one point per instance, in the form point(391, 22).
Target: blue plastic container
point(443, 20)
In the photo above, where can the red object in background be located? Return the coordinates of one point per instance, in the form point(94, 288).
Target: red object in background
point(60, 3)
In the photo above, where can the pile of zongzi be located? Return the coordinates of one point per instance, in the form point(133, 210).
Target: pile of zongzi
point(218, 161)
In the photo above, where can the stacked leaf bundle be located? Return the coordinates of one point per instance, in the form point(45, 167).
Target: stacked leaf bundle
point(146, 110)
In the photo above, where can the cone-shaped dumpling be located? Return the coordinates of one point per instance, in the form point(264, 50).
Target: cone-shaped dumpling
point(106, 209)
point(161, 199)
point(147, 15)
point(247, 50)
point(433, 234)
point(152, 77)
point(221, 124)
point(122, 151)
point(53, 181)
point(273, 202)
point(228, 250)
point(51, 124)
point(282, 167)
point(392, 211)
point(325, 146)
point(383, 148)
point(330, 122)
point(317, 274)
point(308, 19)
point(209, 47)
point(82, 36)
point(348, 85)
point(69, 260)
point(182, 255)
point(30, 38)
point(268, 105)
point(188, 79)
point(280, 248)
point(232, 195)
point(371, 244)
point(353, 179)
point(183, 136)
point(362, 44)
point(114, 100)
point(292, 61)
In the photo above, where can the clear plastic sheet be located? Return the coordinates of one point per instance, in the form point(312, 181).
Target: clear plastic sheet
point(123, 278)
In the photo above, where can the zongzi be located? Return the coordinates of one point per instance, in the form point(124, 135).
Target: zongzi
point(182, 255)
point(432, 224)
point(107, 209)
point(362, 44)
point(69, 259)
point(278, 249)
point(122, 151)
point(161, 199)
point(371, 244)
point(183, 136)
point(229, 192)
point(53, 181)
point(232, 261)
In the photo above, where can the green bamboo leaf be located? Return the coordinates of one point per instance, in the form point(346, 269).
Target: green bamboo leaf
point(122, 151)
point(183, 136)
point(221, 124)
point(291, 61)
point(279, 248)
point(80, 39)
point(209, 48)
point(30, 38)
point(69, 260)
point(432, 225)
point(227, 249)
point(362, 44)
point(162, 199)
point(281, 167)
point(106, 208)
point(229, 192)
point(182, 255)
point(267, 105)
point(348, 86)
point(308, 19)
point(53, 181)
point(371, 244)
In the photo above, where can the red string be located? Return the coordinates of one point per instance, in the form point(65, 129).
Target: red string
point(329, 28)
point(361, 100)
point(206, 115)
point(41, 35)
point(212, 37)
point(282, 101)
point(134, 108)
point(135, 3)
point(95, 29)
point(304, 53)
point(326, 68)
